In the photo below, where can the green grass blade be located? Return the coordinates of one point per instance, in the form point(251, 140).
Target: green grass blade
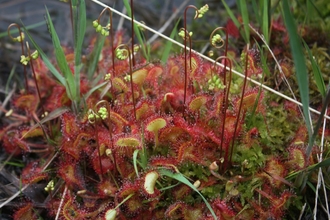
point(168, 44)
point(301, 73)
point(245, 16)
point(316, 71)
point(231, 14)
point(54, 114)
point(265, 20)
point(79, 22)
point(95, 55)
point(61, 60)
point(179, 177)
point(47, 62)
point(323, 163)
point(94, 89)
point(256, 11)
point(325, 105)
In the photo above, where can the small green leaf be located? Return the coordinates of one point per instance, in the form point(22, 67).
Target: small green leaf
point(61, 60)
point(301, 73)
point(95, 55)
point(245, 16)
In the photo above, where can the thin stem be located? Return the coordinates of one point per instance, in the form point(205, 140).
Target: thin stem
point(98, 149)
point(224, 105)
point(130, 74)
point(221, 41)
point(21, 35)
point(132, 26)
point(186, 35)
point(111, 35)
point(34, 76)
point(240, 104)
point(109, 118)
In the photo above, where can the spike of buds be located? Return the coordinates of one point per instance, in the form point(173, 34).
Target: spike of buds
point(202, 11)
point(50, 186)
point(103, 113)
point(182, 34)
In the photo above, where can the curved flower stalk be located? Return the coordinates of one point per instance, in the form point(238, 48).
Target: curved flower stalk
point(20, 39)
point(31, 57)
point(123, 54)
point(240, 105)
point(105, 114)
point(224, 106)
point(105, 32)
point(187, 36)
point(217, 41)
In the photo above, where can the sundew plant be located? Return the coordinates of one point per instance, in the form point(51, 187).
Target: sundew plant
point(117, 132)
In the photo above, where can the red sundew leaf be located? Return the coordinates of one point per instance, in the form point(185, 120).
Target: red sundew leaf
point(144, 110)
point(297, 158)
point(21, 144)
point(139, 76)
point(71, 211)
point(35, 132)
point(57, 99)
point(27, 102)
point(25, 212)
point(197, 103)
point(9, 147)
point(104, 137)
point(73, 147)
point(181, 191)
point(249, 99)
point(174, 211)
point(124, 165)
point(159, 161)
point(300, 137)
point(277, 169)
point(154, 73)
point(251, 137)
point(106, 188)
point(232, 30)
point(218, 104)
point(128, 188)
point(222, 209)
point(292, 108)
point(70, 126)
point(173, 134)
point(208, 151)
point(106, 163)
point(187, 151)
point(119, 122)
point(70, 173)
point(32, 173)
point(134, 205)
point(196, 63)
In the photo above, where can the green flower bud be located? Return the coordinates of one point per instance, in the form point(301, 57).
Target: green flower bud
point(95, 24)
